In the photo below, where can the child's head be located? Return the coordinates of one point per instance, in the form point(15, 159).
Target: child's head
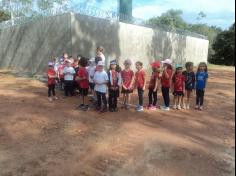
point(167, 63)
point(91, 62)
point(68, 63)
point(139, 65)
point(76, 62)
point(97, 60)
point(83, 62)
point(179, 69)
point(50, 64)
point(100, 49)
point(113, 65)
point(202, 67)
point(127, 64)
point(156, 66)
point(100, 66)
point(65, 56)
point(189, 66)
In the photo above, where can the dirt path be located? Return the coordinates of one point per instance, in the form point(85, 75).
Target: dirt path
point(38, 138)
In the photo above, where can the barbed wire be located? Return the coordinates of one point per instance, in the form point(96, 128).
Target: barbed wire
point(84, 9)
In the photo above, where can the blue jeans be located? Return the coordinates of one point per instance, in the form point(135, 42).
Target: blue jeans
point(141, 96)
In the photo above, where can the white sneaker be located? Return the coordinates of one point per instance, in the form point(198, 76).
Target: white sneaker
point(188, 107)
point(184, 107)
point(165, 108)
point(178, 107)
point(201, 108)
point(174, 107)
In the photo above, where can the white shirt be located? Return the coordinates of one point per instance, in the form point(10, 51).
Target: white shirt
point(101, 77)
point(69, 73)
point(91, 72)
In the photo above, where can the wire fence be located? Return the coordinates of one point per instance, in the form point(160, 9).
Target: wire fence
point(84, 9)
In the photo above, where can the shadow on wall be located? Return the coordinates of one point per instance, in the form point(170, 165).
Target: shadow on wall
point(167, 45)
point(28, 48)
point(89, 32)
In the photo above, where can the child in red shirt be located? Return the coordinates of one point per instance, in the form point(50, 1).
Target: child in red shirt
point(178, 86)
point(166, 82)
point(140, 84)
point(83, 81)
point(154, 85)
point(52, 75)
point(127, 76)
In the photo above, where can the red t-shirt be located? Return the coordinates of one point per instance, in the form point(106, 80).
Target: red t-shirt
point(140, 78)
point(178, 81)
point(61, 71)
point(127, 77)
point(153, 80)
point(165, 82)
point(51, 81)
point(82, 73)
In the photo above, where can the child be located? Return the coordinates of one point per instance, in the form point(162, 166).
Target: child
point(201, 83)
point(82, 78)
point(101, 80)
point(100, 53)
point(69, 73)
point(76, 68)
point(166, 82)
point(51, 82)
point(140, 84)
point(178, 87)
point(189, 82)
point(61, 73)
point(127, 76)
point(154, 85)
point(113, 85)
point(91, 71)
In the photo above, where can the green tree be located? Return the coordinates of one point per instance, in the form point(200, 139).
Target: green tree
point(4, 16)
point(224, 47)
point(172, 19)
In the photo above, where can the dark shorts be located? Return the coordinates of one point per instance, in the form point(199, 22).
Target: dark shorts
point(126, 91)
point(178, 93)
point(92, 86)
point(84, 92)
point(189, 89)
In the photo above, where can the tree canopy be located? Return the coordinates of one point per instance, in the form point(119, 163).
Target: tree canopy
point(4, 16)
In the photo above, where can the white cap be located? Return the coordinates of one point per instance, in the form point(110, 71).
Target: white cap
point(50, 63)
point(167, 61)
point(101, 63)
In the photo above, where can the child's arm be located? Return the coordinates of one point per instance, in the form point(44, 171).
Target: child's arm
point(156, 85)
point(145, 82)
point(52, 76)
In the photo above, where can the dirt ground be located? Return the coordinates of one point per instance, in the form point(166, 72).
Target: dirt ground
point(38, 138)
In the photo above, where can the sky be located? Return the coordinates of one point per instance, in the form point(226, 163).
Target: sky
point(219, 13)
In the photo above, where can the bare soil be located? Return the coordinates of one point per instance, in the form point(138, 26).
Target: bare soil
point(38, 138)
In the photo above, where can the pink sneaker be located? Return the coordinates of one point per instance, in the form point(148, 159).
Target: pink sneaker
point(152, 108)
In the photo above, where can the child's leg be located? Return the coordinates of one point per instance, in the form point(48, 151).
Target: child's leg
point(150, 94)
point(71, 88)
point(155, 99)
point(166, 96)
point(66, 88)
point(175, 101)
point(197, 97)
point(141, 98)
point(104, 99)
point(53, 90)
point(49, 91)
point(202, 97)
point(110, 99)
point(116, 99)
point(99, 99)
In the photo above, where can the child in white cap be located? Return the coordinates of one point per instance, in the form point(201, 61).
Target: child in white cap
point(100, 80)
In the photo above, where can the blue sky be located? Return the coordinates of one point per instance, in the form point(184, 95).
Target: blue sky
point(219, 12)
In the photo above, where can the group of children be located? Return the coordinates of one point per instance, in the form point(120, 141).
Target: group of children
point(89, 75)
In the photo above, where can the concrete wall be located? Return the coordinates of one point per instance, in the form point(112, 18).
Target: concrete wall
point(28, 47)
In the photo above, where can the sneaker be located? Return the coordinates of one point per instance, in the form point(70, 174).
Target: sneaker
point(152, 108)
point(86, 108)
point(188, 107)
point(184, 107)
point(174, 107)
point(50, 99)
point(55, 98)
point(103, 110)
point(165, 108)
point(201, 108)
point(140, 109)
point(178, 107)
point(197, 107)
point(81, 106)
point(127, 107)
point(162, 107)
point(137, 107)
